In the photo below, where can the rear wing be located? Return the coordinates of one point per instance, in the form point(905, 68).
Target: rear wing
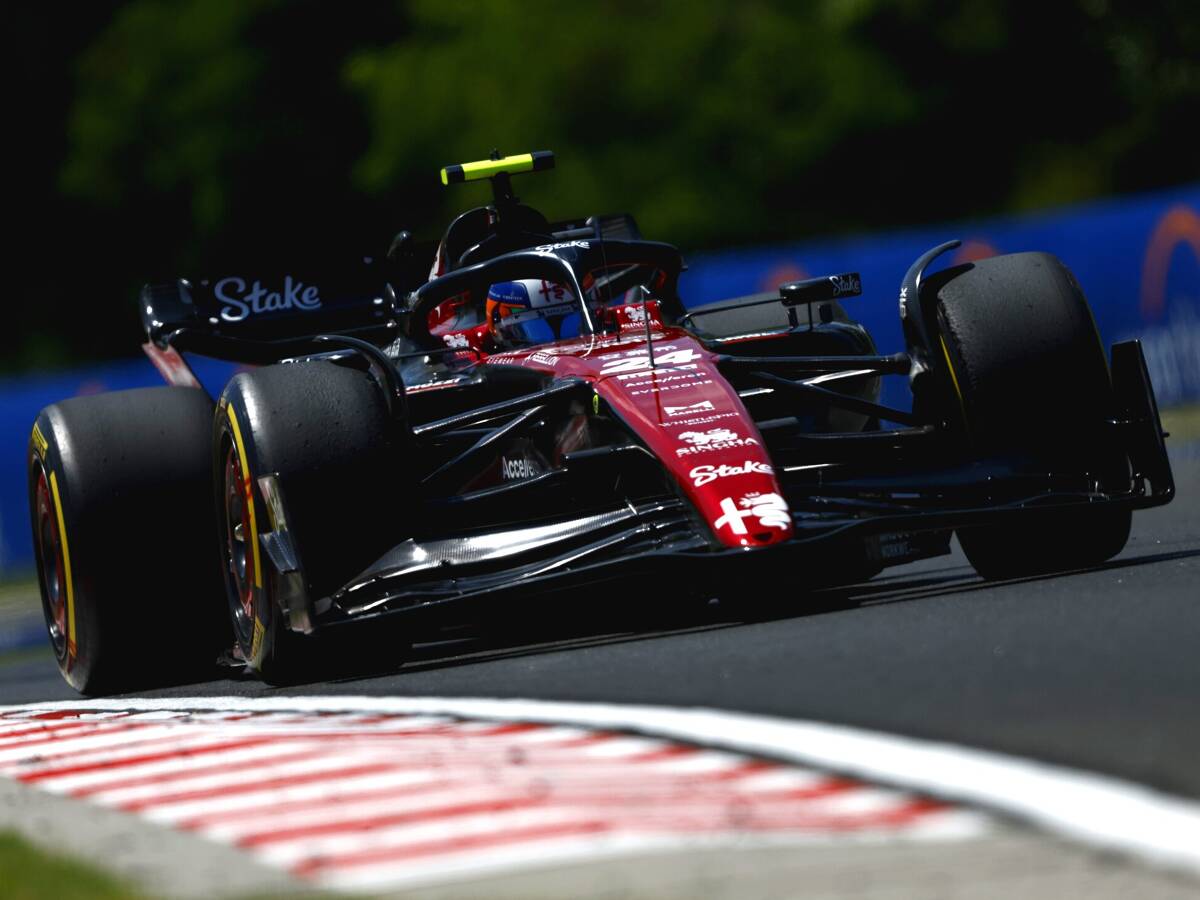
point(614, 227)
point(249, 318)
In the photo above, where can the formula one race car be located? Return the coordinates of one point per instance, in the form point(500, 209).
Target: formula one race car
point(528, 408)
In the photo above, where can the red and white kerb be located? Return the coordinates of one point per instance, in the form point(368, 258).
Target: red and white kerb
point(366, 801)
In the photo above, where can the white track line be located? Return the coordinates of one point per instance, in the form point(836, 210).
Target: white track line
point(1098, 810)
point(480, 863)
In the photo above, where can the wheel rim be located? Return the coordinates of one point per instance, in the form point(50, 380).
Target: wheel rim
point(238, 496)
point(51, 569)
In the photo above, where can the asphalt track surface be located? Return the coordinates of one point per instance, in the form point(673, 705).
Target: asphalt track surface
point(1096, 670)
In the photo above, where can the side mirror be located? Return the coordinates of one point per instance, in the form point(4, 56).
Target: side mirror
point(817, 290)
point(402, 247)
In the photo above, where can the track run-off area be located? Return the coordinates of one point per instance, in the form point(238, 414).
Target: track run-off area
point(926, 726)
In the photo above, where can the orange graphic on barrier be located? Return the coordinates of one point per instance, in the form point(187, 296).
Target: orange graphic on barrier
point(974, 250)
point(783, 272)
point(1179, 225)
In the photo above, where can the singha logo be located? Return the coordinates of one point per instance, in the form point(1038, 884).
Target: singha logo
point(704, 438)
point(713, 439)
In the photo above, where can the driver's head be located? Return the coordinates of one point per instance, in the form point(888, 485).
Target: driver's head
point(529, 311)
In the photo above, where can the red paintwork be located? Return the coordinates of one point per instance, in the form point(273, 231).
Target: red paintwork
point(47, 522)
point(685, 412)
point(171, 365)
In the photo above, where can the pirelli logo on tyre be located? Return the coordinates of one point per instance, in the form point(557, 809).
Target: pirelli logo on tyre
point(256, 640)
point(40, 443)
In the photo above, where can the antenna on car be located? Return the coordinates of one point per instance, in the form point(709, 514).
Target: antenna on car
point(644, 293)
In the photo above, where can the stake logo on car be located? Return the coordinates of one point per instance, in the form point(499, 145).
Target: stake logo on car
point(565, 245)
point(241, 304)
point(702, 475)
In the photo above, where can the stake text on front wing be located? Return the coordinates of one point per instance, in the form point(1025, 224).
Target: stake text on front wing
point(702, 475)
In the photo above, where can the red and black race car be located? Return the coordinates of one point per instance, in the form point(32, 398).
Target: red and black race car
point(529, 409)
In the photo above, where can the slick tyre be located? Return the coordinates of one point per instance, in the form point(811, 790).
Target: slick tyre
point(1027, 374)
point(324, 432)
point(120, 495)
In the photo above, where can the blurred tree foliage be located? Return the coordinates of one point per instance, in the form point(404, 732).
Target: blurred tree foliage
point(175, 136)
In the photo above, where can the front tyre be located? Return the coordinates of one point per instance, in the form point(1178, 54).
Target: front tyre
point(1026, 374)
point(240, 510)
point(324, 432)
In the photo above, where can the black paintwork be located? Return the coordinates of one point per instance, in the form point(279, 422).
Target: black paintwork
point(882, 498)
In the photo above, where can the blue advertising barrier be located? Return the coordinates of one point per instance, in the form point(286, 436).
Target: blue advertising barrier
point(1137, 258)
point(20, 401)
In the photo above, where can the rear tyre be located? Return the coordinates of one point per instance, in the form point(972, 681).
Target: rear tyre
point(324, 430)
point(1029, 375)
point(119, 495)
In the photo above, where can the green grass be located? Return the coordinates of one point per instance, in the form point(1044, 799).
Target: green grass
point(19, 595)
point(28, 873)
point(20, 608)
point(24, 655)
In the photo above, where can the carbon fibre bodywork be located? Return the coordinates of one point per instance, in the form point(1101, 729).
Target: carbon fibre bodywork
point(655, 441)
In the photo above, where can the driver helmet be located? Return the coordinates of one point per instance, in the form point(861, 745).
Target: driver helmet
point(530, 311)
